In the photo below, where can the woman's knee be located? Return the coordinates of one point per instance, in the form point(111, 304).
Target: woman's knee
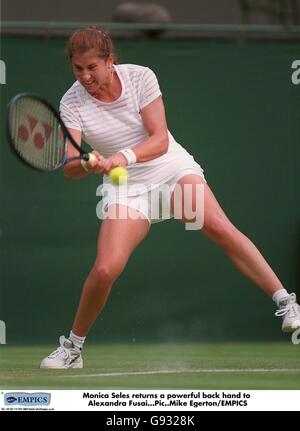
point(107, 272)
point(219, 229)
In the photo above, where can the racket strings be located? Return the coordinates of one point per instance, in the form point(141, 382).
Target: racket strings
point(36, 135)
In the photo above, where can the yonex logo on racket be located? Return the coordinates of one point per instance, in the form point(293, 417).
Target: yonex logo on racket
point(2, 72)
point(40, 132)
point(38, 135)
point(2, 332)
point(296, 74)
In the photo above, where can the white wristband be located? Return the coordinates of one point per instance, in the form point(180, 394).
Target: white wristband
point(129, 155)
point(83, 164)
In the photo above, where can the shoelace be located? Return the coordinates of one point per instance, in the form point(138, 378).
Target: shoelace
point(67, 353)
point(290, 307)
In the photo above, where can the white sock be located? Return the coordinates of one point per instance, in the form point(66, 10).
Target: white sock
point(279, 295)
point(76, 340)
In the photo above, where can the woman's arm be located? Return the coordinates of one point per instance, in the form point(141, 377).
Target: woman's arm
point(74, 170)
point(154, 120)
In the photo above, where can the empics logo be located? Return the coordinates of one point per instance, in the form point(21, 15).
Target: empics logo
point(2, 72)
point(27, 399)
point(296, 74)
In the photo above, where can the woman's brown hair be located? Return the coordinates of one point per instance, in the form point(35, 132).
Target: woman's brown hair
point(91, 38)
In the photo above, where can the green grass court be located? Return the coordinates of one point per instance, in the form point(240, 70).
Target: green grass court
point(159, 366)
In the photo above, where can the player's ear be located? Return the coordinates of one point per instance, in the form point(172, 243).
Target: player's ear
point(110, 60)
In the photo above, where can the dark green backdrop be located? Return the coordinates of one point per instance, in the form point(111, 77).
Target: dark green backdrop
point(235, 108)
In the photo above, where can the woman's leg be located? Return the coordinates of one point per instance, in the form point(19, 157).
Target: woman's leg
point(117, 240)
point(239, 249)
point(235, 244)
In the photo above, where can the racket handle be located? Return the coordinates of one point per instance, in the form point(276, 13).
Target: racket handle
point(88, 158)
point(92, 158)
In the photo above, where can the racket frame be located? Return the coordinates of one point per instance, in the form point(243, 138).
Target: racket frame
point(66, 135)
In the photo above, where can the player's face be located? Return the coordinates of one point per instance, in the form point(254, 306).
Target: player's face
point(93, 72)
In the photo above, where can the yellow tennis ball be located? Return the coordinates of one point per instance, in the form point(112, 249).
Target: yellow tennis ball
point(118, 176)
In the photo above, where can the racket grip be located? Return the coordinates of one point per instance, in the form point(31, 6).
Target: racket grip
point(92, 158)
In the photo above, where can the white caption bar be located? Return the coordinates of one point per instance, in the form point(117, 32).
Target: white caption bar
point(149, 400)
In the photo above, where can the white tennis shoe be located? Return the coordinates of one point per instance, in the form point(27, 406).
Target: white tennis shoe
point(65, 356)
point(289, 310)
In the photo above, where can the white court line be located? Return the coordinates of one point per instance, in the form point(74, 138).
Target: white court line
point(209, 370)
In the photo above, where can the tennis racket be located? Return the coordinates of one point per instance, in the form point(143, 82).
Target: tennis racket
point(38, 135)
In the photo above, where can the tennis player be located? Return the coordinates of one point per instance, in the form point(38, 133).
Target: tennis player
point(119, 110)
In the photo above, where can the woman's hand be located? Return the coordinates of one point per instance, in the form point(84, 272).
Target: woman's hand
point(113, 162)
point(102, 165)
point(95, 166)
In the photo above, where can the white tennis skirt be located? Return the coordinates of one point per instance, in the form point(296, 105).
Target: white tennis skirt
point(149, 188)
